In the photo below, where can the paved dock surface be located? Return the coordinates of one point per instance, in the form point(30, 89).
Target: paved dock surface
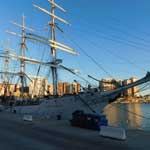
point(59, 135)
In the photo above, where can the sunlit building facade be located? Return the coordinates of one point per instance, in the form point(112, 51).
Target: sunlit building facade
point(38, 87)
point(109, 84)
point(65, 88)
point(134, 91)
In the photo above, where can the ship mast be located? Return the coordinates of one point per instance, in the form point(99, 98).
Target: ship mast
point(22, 62)
point(6, 81)
point(53, 50)
point(6, 57)
point(22, 59)
point(54, 46)
point(52, 42)
point(6, 63)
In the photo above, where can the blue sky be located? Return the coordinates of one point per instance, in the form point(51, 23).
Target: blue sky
point(115, 33)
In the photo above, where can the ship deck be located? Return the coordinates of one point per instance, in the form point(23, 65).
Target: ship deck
point(46, 134)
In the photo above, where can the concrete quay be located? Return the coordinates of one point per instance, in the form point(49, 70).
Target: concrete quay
point(44, 134)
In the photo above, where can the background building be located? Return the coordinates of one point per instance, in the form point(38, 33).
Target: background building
point(50, 89)
point(65, 88)
point(76, 88)
point(134, 91)
point(109, 84)
point(38, 87)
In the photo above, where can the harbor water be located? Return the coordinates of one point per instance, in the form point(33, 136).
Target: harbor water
point(129, 116)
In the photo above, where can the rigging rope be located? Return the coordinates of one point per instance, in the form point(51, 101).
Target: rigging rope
point(117, 56)
point(118, 39)
point(90, 57)
point(43, 54)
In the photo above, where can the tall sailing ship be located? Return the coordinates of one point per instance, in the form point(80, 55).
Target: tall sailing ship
point(90, 101)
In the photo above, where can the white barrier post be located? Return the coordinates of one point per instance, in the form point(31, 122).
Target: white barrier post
point(113, 132)
point(27, 118)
